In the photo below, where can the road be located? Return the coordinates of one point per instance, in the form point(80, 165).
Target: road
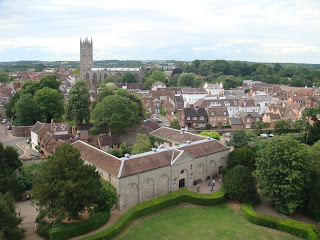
point(165, 121)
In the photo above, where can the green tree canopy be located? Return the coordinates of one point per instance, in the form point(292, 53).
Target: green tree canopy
point(121, 151)
point(240, 184)
point(104, 92)
point(313, 196)
point(117, 112)
point(141, 145)
point(4, 77)
point(49, 81)
point(9, 163)
point(9, 222)
point(186, 79)
point(65, 186)
point(108, 79)
point(283, 171)
point(49, 103)
point(78, 102)
point(128, 78)
point(175, 124)
point(242, 156)
point(25, 111)
point(282, 126)
point(240, 138)
point(211, 134)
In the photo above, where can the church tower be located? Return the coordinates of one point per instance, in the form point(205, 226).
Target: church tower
point(86, 56)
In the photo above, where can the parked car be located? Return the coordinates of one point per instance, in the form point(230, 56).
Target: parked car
point(9, 127)
point(4, 120)
point(263, 135)
point(147, 120)
point(158, 120)
point(271, 135)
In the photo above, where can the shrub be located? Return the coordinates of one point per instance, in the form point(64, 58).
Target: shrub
point(299, 229)
point(43, 229)
point(95, 131)
point(66, 231)
point(157, 204)
point(223, 170)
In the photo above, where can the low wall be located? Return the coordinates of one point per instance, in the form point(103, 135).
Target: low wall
point(21, 131)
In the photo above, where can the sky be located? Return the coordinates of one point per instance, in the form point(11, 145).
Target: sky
point(246, 30)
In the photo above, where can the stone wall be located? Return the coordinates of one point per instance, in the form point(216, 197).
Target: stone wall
point(21, 131)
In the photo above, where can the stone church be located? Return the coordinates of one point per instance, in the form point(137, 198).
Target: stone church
point(141, 177)
point(92, 75)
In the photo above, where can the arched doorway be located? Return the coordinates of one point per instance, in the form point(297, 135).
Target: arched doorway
point(163, 185)
point(147, 190)
point(132, 195)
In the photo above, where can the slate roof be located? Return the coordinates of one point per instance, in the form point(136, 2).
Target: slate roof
point(175, 135)
point(37, 127)
point(194, 90)
point(107, 140)
point(204, 148)
point(236, 121)
point(195, 112)
point(244, 114)
point(218, 111)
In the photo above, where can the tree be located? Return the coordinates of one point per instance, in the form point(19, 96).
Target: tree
point(175, 124)
point(137, 99)
point(211, 134)
point(259, 125)
point(240, 184)
point(107, 198)
point(282, 126)
point(49, 81)
point(76, 71)
point(30, 86)
point(163, 111)
point(186, 79)
point(108, 79)
point(223, 171)
point(117, 112)
point(25, 111)
point(49, 103)
point(128, 78)
point(9, 108)
point(313, 196)
point(121, 151)
point(78, 102)
point(158, 76)
point(104, 91)
point(9, 222)
point(283, 171)
point(4, 77)
point(242, 156)
point(141, 145)
point(9, 163)
point(65, 186)
point(240, 138)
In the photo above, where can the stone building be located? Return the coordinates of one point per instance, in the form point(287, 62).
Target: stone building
point(92, 75)
point(148, 175)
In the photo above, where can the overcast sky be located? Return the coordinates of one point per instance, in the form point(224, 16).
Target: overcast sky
point(260, 31)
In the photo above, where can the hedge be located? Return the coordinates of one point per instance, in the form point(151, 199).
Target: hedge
point(156, 204)
point(70, 230)
point(304, 230)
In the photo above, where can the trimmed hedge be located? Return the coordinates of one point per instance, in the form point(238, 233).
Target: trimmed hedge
point(70, 230)
point(304, 230)
point(156, 204)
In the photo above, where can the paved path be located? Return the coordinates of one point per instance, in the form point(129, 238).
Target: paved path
point(165, 120)
point(29, 214)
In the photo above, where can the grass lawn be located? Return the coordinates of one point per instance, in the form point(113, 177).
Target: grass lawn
point(187, 221)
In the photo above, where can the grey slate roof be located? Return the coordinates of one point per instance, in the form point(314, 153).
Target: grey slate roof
point(195, 112)
point(37, 127)
point(236, 121)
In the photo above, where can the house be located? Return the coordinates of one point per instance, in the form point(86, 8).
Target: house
point(236, 123)
point(304, 101)
point(192, 117)
point(263, 99)
point(107, 143)
point(218, 116)
point(191, 95)
point(148, 175)
point(270, 118)
point(214, 88)
point(158, 85)
point(249, 118)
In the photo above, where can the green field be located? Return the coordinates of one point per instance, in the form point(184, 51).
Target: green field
point(187, 221)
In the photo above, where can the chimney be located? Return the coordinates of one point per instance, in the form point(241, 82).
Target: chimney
point(154, 149)
point(188, 142)
point(52, 125)
point(73, 130)
point(182, 131)
point(127, 155)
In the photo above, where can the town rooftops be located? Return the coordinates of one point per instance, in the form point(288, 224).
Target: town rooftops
point(194, 91)
point(236, 121)
point(37, 127)
point(244, 114)
point(117, 69)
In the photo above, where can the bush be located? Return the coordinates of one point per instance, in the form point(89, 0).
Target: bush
point(43, 229)
point(67, 231)
point(223, 170)
point(95, 131)
point(157, 204)
point(299, 229)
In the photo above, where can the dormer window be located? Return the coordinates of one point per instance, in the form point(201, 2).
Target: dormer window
point(63, 127)
point(224, 113)
point(212, 113)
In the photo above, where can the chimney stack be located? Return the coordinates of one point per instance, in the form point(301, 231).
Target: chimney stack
point(154, 149)
point(182, 131)
point(188, 142)
point(52, 125)
point(73, 130)
point(127, 155)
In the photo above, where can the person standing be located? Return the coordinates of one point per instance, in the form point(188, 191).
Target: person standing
point(198, 188)
point(212, 186)
point(19, 212)
point(214, 181)
point(209, 182)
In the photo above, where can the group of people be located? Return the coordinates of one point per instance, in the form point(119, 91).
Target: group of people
point(213, 183)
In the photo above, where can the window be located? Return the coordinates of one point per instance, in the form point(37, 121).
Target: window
point(148, 104)
point(224, 124)
point(214, 119)
point(225, 118)
point(212, 113)
point(188, 118)
point(201, 118)
point(211, 119)
point(219, 118)
point(182, 171)
point(224, 113)
point(194, 118)
point(248, 119)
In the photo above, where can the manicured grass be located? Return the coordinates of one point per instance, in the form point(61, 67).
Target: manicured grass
point(187, 221)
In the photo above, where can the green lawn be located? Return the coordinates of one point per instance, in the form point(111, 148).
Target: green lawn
point(186, 221)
